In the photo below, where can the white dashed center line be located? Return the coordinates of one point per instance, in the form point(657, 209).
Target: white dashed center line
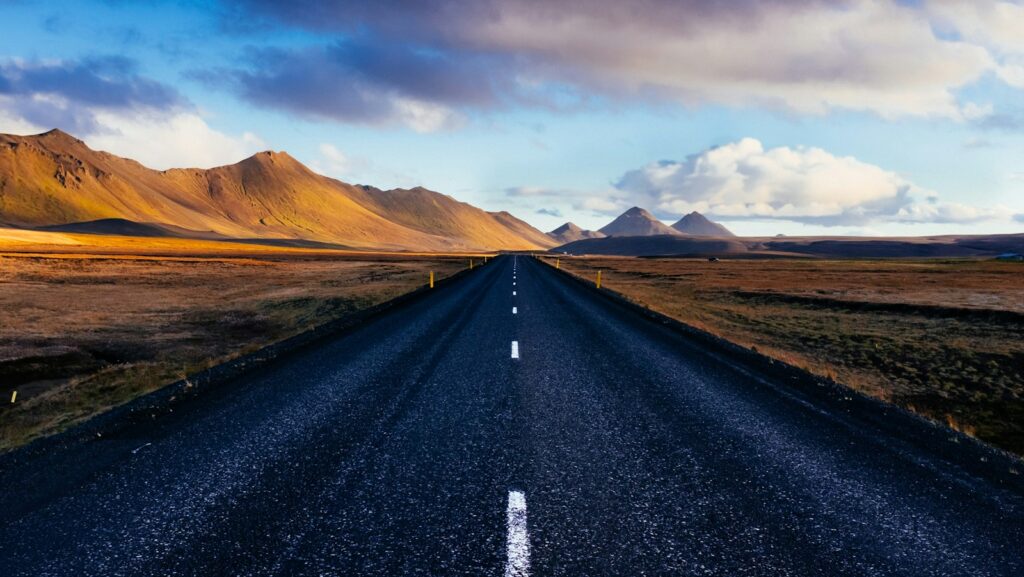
point(518, 564)
point(515, 349)
point(515, 311)
point(513, 293)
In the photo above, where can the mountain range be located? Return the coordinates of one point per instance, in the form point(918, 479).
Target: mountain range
point(639, 222)
point(636, 222)
point(637, 232)
point(55, 181)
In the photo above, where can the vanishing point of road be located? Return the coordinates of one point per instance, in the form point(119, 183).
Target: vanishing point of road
point(515, 423)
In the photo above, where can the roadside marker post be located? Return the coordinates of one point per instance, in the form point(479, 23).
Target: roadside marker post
point(431, 279)
point(557, 264)
point(470, 264)
point(14, 396)
point(598, 279)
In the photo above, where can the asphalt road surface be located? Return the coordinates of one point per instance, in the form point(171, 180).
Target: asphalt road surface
point(510, 423)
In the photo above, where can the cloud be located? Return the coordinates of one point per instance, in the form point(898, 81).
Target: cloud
point(994, 24)
point(363, 81)
point(1005, 121)
point(599, 202)
point(975, 142)
point(601, 205)
point(532, 191)
point(333, 160)
point(337, 163)
point(947, 213)
point(743, 180)
point(180, 139)
point(807, 56)
point(107, 103)
point(1019, 217)
point(67, 93)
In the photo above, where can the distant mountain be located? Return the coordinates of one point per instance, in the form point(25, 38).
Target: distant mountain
point(696, 224)
point(655, 245)
point(816, 247)
point(54, 179)
point(569, 232)
point(637, 222)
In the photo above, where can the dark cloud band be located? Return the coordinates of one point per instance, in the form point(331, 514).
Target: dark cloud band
point(67, 94)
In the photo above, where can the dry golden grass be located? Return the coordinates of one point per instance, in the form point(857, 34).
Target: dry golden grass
point(942, 338)
point(21, 241)
point(81, 333)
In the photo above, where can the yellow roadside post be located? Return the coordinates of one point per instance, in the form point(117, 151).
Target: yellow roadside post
point(556, 263)
point(598, 279)
point(470, 264)
point(14, 396)
point(431, 279)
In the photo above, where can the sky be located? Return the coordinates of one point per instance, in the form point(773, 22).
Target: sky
point(796, 117)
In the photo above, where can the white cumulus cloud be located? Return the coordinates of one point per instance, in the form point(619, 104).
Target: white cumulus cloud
point(175, 140)
point(109, 105)
point(743, 180)
point(158, 140)
point(995, 24)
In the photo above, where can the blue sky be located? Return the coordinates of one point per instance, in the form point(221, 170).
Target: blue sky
point(856, 117)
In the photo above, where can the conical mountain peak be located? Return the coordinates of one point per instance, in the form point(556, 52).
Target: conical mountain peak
point(696, 224)
point(637, 222)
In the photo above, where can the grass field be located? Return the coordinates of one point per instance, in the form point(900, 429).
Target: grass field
point(92, 328)
point(942, 338)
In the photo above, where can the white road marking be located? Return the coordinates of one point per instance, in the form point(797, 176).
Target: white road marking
point(518, 564)
point(515, 349)
point(513, 293)
point(140, 447)
point(513, 283)
point(515, 311)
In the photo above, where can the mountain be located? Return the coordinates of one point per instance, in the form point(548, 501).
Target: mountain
point(54, 179)
point(636, 222)
point(569, 232)
point(439, 214)
point(524, 229)
point(122, 227)
point(978, 246)
point(696, 224)
point(655, 245)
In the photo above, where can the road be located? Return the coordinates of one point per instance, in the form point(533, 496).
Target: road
point(511, 423)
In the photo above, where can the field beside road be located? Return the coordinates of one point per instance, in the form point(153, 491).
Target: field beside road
point(942, 338)
point(91, 323)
